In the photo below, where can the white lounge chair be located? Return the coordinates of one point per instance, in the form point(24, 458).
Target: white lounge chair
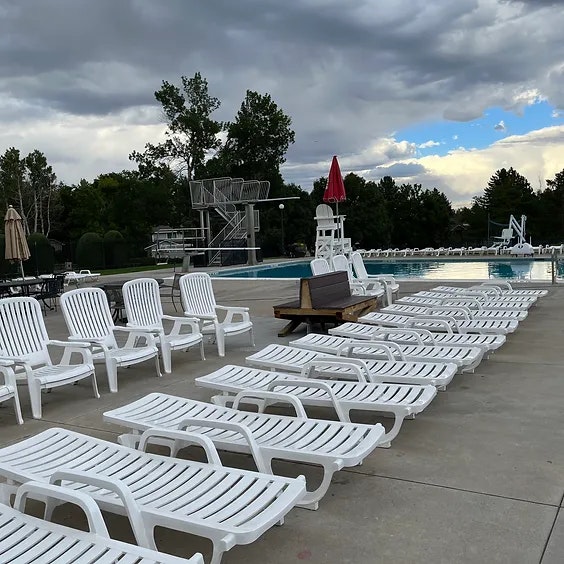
point(9, 389)
point(291, 359)
point(226, 505)
point(400, 400)
point(89, 276)
point(24, 341)
point(488, 343)
point(145, 312)
point(387, 280)
point(442, 322)
point(330, 444)
point(486, 297)
point(474, 304)
point(29, 540)
point(89, 320)
point(502, 288)
point(72, 277)
point(198, 301)
point(460, 310)
point(466, 358)
point(371, 287)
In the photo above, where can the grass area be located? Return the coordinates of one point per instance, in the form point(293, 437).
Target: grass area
point(136, 269)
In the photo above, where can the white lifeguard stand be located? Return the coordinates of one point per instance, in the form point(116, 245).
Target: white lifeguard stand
point(330, 237)
point(521, 248)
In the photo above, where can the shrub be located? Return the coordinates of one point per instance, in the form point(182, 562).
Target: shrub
point(115, 248)
point(42, 259)
point(90, 251)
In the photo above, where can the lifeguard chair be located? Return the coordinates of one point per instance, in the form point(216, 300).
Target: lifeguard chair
point(330, 237)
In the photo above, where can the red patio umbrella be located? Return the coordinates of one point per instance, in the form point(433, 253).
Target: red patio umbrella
point(335, 190)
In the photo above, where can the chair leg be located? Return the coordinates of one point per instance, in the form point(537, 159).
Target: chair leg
point(111, 369)
point(17, 407)
point(252, 336)
point(35, 398)
point(220, 337)
point(95, 385)
point(167, 360)
point(202, 351)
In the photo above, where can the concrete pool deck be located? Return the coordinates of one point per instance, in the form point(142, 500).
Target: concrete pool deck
point(478, 477)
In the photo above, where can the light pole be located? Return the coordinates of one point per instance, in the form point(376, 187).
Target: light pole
point(281, 208)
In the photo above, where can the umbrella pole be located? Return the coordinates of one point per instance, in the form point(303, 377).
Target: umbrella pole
point(22, 269)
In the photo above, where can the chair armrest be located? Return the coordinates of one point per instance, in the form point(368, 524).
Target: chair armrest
point(75, 344)
point(179, 322)
point(357, 367)
point(236, 309)
point(6, 362)
point(38, 490)
point(7, 372)
point(341, 413)
point(232, 311)
point(136, 332)
point(389, 348)
point(118, 488)
point(275, 396)
point(185, 437)
point(189, 314)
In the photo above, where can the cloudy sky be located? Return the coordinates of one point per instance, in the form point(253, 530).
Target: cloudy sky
point(438, 92)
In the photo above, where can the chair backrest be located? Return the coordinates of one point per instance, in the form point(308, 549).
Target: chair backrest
point(319, 266)
point(22, 330)
point(326, 221)
point(176, 281)
point(197, 295)
point(143, 303)
point(87, 315)
point(341, 262)
point(358, 265)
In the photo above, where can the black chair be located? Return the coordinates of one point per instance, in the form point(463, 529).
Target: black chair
point(173, 291)
point(51, 289)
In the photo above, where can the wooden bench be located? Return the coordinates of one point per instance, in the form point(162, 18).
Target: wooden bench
point(325, 298)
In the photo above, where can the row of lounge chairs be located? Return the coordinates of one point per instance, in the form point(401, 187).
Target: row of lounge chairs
point(494, 249)
point(360, 366)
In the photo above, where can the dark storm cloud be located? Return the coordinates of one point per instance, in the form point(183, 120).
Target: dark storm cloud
point(347, 73)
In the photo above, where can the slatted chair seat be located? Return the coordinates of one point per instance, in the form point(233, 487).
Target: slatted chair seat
point(145, 312)
point(292, 359)
point(454, 310)
point(353, 330)
point(472, 303)
point(24, 341)
point(28, 540)
point(400, 400)
point(226, 505)
point(332, 445)
point(89, 320)
point(198, 301)
point(466, 358)
point(9, 388)
point(442, 323)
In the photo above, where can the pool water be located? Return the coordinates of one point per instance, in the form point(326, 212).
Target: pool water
point(429, 269)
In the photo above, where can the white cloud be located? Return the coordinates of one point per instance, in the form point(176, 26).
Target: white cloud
point(428, 144)
point(500, 126)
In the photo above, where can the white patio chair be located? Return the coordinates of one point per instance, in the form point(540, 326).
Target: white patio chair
point(466, 358)
point(320, 266)
point(229, 506)
point(342, 397)
point(145, 312)
point(442, 322)
point(332, 445)
point(24, 341)
point(292, 359)
point(387, 280)
point(9, 389)
point(488, 343)
point(29, 540)
point(89, 320)
point(198, 301)
point(370, 287)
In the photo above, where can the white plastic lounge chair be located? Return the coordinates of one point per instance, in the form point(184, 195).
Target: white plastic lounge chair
point(400, 400)
point(89, 276)
point(330, 444)
point(226, 505)
point(198, 301)
point(389, 282)
point(291, 359)
point(466, 358)
point(474, 304)
point(502, 288)
point(89, 320)
point(24, 341)
point(9, 389)
point(321, 266)
point(371, 287)
point(442, 323)
point(485, 297)
point(455, 310)
point(29, 540)
point(488, 343)
point(72, 277)
point(145, 312)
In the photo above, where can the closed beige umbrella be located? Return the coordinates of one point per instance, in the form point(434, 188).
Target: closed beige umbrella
point(16, 244)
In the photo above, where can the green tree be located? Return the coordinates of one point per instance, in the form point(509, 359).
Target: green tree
point(41, 180)
point(191, 132)
point(12, 179)
point(257, 141)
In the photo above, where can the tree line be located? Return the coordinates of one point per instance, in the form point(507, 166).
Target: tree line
point(253, 146)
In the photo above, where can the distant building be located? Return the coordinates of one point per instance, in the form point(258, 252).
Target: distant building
point(173, 242)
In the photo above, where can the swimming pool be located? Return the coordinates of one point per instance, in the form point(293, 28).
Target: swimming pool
point(425, 269)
